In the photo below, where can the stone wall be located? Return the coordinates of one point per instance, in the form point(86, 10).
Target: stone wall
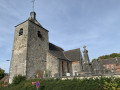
point(18, 61)
point(52, 66)
point(87, 77)
point(37, 50)
point(64, 71)
point(76, 68)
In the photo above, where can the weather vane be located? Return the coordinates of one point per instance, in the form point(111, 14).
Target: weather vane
point(33, 1)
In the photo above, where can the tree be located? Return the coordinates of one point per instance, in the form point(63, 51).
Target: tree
point(113, 55)
point(2, 73)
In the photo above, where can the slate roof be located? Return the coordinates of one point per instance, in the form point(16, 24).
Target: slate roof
point(56, 51)
point(110, 61)
point(73, 55)
point(54, 47)
point(58, 54)
point(33, 21)
point(100, 63)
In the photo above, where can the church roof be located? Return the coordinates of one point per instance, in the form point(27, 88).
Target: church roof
point(110, 61)
point(73, 55)
point(98, 64)
point(56, 51)
point(32, 19)
point(35, 21)
point(54, 47)
point(58, 54)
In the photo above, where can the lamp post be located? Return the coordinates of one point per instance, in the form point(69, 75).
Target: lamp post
point(9, 72)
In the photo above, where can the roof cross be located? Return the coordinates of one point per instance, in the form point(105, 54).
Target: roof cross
point(33, 1)
point(84, 47)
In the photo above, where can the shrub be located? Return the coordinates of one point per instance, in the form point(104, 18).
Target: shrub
point(2, 73)
point(74, 84)
point(18, 79)
point(1, 84)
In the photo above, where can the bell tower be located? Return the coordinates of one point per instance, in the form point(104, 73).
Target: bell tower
point(29, 49)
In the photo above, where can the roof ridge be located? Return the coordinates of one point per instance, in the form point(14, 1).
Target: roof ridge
point(72, 50)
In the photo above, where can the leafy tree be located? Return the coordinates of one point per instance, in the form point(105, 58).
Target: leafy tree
point(113, 55)
point(2, 73)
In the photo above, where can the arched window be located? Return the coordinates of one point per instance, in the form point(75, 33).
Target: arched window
point(39, 34)
point(62, 68)
point(21, 32)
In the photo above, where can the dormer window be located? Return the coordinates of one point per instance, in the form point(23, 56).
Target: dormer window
point(21, 32)
point(39, 34)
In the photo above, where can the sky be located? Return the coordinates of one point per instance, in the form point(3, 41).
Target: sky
point(71, 24)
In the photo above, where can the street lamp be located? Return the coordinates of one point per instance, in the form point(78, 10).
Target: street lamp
point(9, 73)
point(7, 60)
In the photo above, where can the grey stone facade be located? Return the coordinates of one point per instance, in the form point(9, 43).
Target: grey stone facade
point(34, 56)
point(37, 50)
point(52, 65)
point(29, 50)
point(19, 52)
point(76, 68)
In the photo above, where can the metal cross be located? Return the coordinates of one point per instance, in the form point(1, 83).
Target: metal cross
point(33, 1)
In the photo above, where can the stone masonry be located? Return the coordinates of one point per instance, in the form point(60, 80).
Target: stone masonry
point(34, 56)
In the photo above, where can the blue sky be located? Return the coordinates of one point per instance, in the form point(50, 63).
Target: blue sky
point(71, 24)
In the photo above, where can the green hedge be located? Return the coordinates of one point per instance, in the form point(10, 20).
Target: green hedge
point(75, 84)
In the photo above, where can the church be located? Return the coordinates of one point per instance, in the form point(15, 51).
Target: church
point(34, 56)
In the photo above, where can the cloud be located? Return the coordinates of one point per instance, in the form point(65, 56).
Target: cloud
point(71, 24)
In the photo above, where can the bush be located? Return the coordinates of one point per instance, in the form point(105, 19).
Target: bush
point(2, 73)
point(1, 84)
point(74, 84)
point(18, 79)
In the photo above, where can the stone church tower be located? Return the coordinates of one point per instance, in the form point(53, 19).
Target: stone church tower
point(29, 49)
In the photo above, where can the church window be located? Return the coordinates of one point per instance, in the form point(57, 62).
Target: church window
point(68, 67)
point(62, 67)
point(39, 34)
point(21, 32)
